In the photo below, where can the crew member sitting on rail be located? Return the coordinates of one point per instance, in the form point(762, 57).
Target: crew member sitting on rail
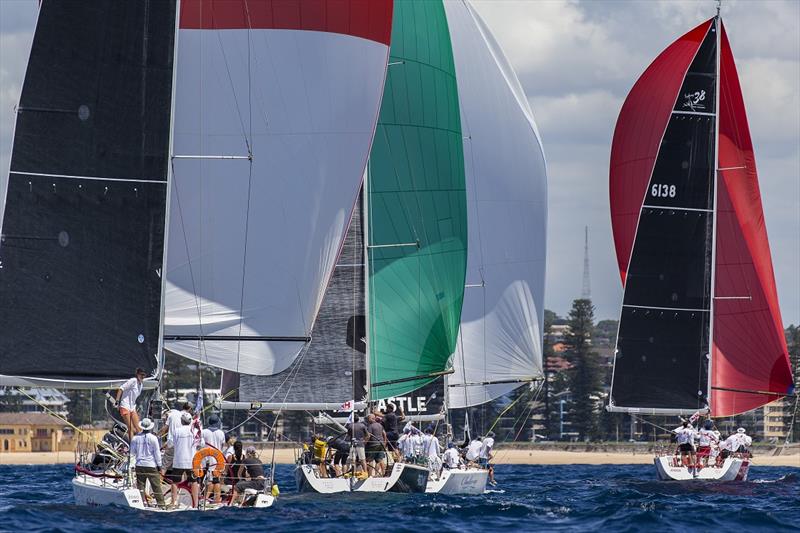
point(739, 442)
point(252, 467)
point(684, 436)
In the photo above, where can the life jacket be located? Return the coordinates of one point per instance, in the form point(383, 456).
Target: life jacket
point(320, 449)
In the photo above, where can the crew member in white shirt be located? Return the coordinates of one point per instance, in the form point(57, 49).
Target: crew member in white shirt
point(183, 440)
point(706, 438)
point(432, 450)
point(171, 424)
point(684, 437)
point(739, 442)
point(127, 395)
point(451, 456)
point(486, 456)
point(214, 437)
point(146, 449)
point(474, 450)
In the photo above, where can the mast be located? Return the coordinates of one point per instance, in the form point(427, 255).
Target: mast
point(714, 214)
point(367, 268)
point(160, 354)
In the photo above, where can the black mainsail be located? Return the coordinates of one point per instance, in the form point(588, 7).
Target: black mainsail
point(84, 215)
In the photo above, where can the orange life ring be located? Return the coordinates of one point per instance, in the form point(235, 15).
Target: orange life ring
point(197, 461)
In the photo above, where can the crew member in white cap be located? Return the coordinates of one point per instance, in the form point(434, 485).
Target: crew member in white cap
point(147, 451)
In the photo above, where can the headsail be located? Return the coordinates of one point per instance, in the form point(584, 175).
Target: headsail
point(749, 352)
point(416, 208)
point(275, 112)
point(83, 224)
point(500, 344)
point(662, 177)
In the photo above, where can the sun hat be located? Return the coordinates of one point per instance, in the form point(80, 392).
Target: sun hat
point(146, 424)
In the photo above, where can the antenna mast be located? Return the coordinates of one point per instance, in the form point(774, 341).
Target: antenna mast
point(586, 293)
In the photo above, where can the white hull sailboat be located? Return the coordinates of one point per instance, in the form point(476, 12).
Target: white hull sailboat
point(180, 121)
point(456, 481)
point(403, 477)
point(700, 329)
point(669, 468)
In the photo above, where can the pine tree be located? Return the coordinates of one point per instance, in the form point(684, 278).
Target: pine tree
point(585, 379)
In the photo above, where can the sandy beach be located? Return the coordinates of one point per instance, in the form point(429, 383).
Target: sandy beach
point(503, 456)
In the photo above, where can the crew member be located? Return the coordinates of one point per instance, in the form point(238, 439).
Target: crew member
point(706, 438)
point(127, 395)
point(684, 436)
point(184, 442)
point(252, 467)
point(486, 456)
point(452, 458)
point(146, 449)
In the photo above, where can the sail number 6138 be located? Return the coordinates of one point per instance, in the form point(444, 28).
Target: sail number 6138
point(662, 190)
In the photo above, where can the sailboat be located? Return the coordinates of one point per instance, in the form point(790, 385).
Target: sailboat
point(235, 131)
point(389, 320)
point(700, 328)
point(500, 345)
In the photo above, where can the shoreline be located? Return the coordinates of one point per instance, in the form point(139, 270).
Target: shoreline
point(516, 456)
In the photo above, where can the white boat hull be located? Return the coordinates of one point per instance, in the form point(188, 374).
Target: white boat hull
point(468, 482)
point(404, 477)
point(94, 491)
point(732, 469)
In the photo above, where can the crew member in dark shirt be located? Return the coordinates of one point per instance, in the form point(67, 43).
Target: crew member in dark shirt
point(390, 426)
point(255, 472)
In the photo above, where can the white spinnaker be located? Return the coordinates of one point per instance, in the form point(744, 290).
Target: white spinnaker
point(501, 321)
point(252, 243)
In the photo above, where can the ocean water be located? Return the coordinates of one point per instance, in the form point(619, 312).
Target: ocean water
point(528, 498)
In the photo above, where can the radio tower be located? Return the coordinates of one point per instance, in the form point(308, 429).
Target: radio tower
point(586, 293)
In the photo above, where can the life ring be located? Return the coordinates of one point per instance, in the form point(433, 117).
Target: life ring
point(197, 461)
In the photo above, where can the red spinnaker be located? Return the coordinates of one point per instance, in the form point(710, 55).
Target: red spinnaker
point(369, 19)
point(638, 134)
point(749, 349)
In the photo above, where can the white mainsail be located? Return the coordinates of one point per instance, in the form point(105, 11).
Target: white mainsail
point(272, 132)
point(500, 344)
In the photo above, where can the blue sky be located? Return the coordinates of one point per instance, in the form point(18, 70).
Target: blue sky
point(577, 62)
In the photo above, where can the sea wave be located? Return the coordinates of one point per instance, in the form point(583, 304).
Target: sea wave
point(529, 497)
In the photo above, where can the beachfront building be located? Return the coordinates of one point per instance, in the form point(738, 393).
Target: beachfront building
point(30, 432)
point(34, 400)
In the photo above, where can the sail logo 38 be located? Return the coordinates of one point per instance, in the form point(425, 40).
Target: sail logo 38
point(694, 101)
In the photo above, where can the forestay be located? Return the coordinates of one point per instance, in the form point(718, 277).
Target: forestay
point(276, 105)
point(506, 182)
point(83, 226)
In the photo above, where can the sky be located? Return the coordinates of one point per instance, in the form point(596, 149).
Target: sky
point(577, 60)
